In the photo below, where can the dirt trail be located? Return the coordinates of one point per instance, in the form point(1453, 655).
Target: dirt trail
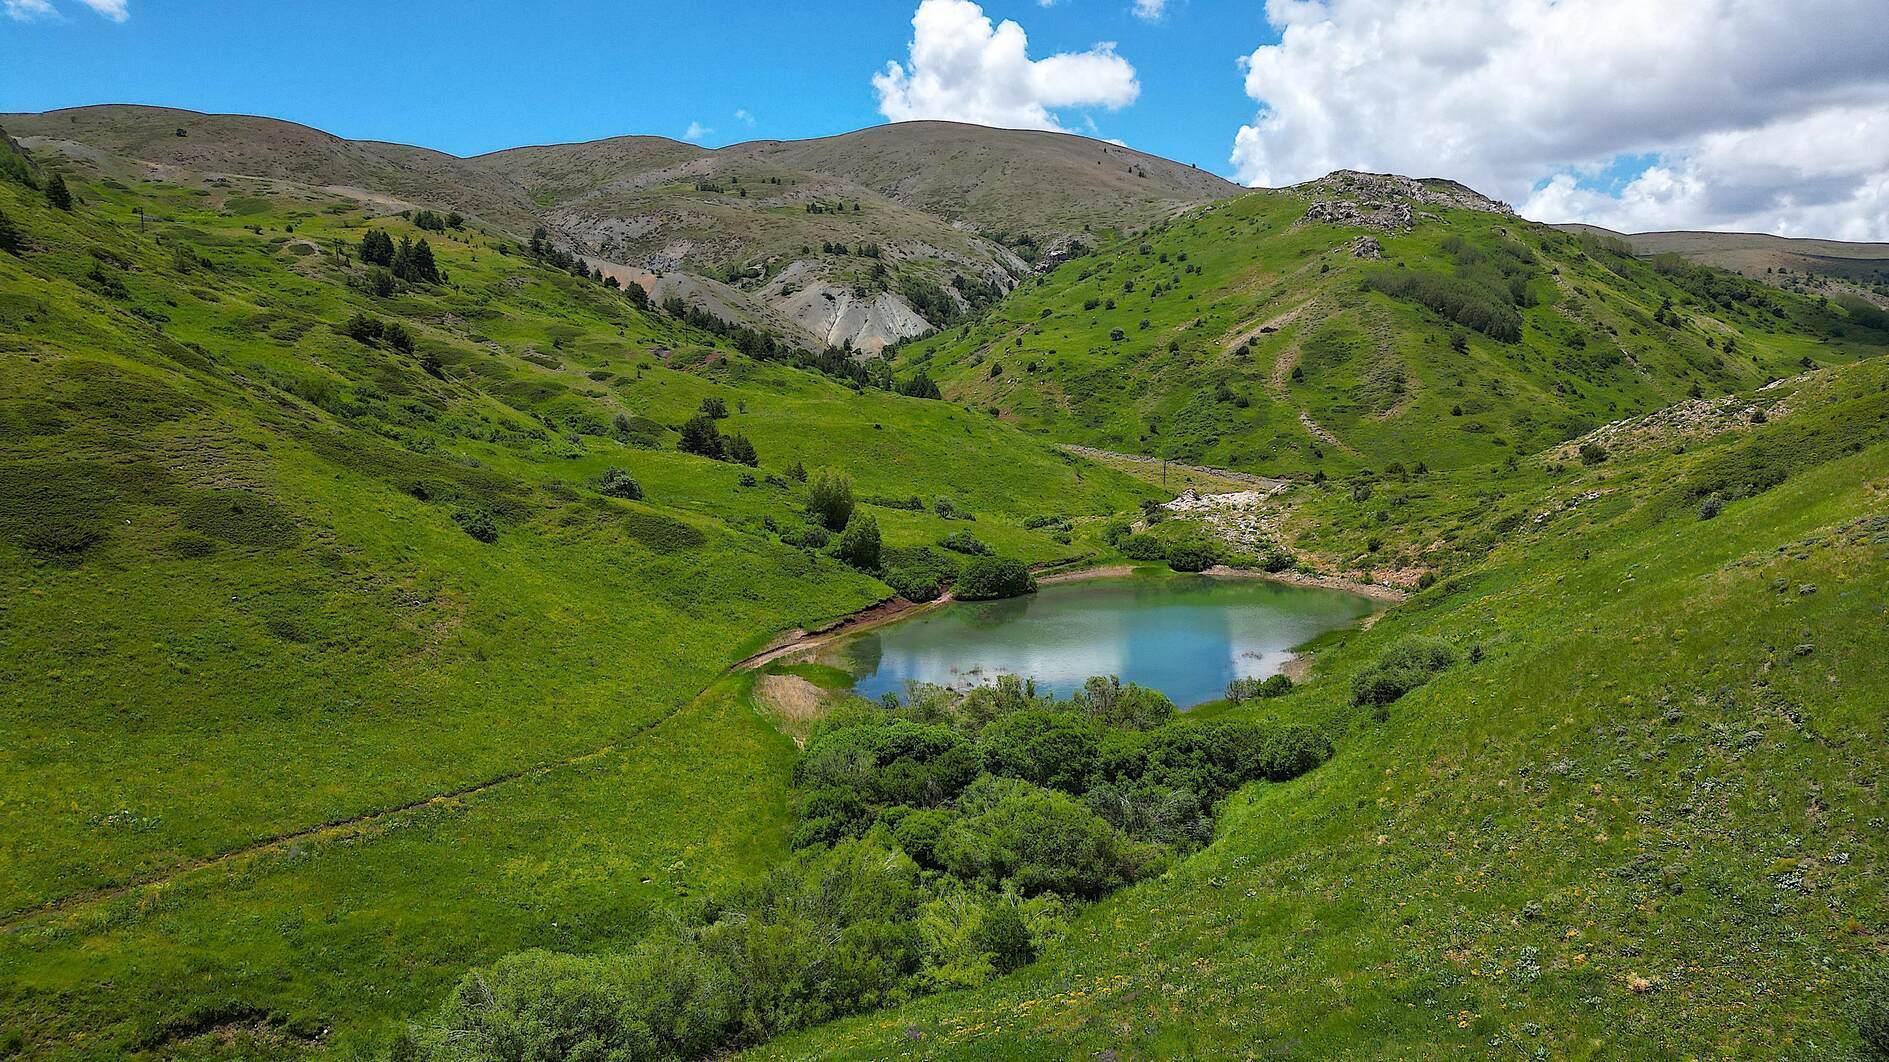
point(1282, 367)
point(1274, 324)
point(1318, 431)
point(333, 830)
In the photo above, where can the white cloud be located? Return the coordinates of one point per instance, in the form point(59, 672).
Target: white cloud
point(111, 9)
point(744, 117)
point(1150, 10)
point(696, 131)
point(963, 69)
point(1758, 114)
point(28, 10)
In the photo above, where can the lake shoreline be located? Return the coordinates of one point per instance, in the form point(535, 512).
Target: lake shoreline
point(802, 641)
point(1375, 591)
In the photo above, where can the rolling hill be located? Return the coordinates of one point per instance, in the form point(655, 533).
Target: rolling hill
point(830, 241)
point(1816, 265)
point(374, 620)
point(1359, 321)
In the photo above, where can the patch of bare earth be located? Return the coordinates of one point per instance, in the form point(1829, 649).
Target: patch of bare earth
point(795, 703)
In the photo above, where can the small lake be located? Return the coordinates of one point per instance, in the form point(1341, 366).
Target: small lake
point(1187, 636)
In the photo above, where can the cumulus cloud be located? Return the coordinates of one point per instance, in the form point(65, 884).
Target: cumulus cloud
point(696, 131)
point(961, 68)
point(1754, 114)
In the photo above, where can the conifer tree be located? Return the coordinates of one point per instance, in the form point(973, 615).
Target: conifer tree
point(57, 194)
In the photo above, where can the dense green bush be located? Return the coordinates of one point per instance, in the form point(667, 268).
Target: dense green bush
point(830, 498)
point(478, 523)
point(1466, 302)
point(618, 484)
point(887, 761)
point(1056, 750)
point(1241, 690)
point(918, 573)
point(859, 544)
point(1404, 667)
point(1129, 707)
point(966, 543)
point(926, 859)
point(1192, 556)
point(986, 578)
point(1017, 836)
point(1143, 548)
point(830, 933)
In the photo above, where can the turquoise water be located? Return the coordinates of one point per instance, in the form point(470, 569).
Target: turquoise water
point(1186, 636)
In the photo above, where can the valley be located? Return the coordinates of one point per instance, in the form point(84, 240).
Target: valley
point(398, 549)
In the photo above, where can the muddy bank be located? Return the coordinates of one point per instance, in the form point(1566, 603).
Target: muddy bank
point(800, 640)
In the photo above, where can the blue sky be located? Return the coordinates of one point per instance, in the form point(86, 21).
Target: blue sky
point(471, 78)
point(1756, 115)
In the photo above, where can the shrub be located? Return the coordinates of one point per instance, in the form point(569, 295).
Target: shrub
point(714, 408)
point(1014, 835)
point(618, 484)
point(1466, 302)
point(477, 523)
point(830, 498)
point(57, 194)
point(9, 235)
point(1711, 507)
point(1404, 667)
point(986, 578)
point(827, 934)
point(885, 762)
point(1593, 453)
point(741, 451)
point(812, 536)
point(1056, 750)
point(1129, 707)
point(918, 573)
point(1192, 556)
point(859, 544)
point(1241, 690)
point(966, 543)
point(1143, 548)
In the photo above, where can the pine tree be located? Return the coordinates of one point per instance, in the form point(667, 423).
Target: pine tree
point(700, 436)
point(741, 451)
point(57, 194)
point(377, 248)
point(9, 235)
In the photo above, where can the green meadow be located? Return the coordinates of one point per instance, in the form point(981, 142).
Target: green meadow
point(370, 643)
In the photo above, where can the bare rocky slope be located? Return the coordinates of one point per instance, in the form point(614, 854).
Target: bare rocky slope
point(855, 240)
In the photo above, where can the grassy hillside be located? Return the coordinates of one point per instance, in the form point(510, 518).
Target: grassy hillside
point(341, 659)
point(325, 657)
point(831, 241)
point(1244, 335)
point(1641, 818)
point(1784, 261)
